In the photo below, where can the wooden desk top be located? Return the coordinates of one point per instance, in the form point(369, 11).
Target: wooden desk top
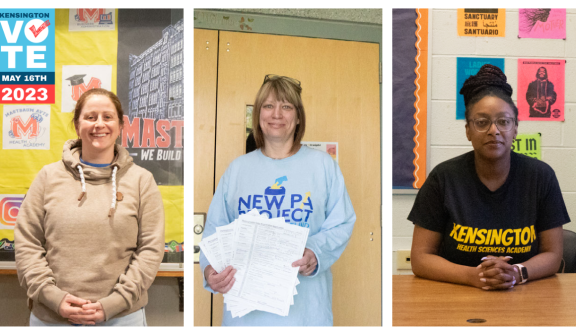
point(545, 302)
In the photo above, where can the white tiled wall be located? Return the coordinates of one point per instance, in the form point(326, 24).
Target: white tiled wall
point(446, 135)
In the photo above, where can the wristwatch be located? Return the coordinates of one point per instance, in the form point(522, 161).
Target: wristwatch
point(523, 272)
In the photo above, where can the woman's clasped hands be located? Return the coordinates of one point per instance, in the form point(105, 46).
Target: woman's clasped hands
point(80, 311)
point(494, 273)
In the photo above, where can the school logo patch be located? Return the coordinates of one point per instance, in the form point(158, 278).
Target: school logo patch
point(26, 127)
point(91, 19)
point(77, 79)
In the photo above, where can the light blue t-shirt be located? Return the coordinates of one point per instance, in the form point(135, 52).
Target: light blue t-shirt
point(306, 189)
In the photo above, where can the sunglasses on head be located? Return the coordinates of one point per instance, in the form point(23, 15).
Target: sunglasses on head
point(269, 77)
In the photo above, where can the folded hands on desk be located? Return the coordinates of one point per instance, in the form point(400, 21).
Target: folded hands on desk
point(494, 273)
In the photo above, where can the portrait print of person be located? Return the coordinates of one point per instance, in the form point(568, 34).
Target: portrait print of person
point(540, 94)
point(532, 16)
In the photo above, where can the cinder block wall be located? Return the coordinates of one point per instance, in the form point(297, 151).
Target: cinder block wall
point(446, 135)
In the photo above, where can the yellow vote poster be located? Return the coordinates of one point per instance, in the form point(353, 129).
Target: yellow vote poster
point(529, 145)
point(482, 22)
point(157, 66)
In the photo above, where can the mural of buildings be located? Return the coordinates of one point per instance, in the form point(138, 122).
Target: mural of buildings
point(156, 86)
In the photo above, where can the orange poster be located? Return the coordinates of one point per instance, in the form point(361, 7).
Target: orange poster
point(482, 22)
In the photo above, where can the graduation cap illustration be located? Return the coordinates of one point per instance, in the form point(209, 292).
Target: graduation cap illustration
point(76, 79)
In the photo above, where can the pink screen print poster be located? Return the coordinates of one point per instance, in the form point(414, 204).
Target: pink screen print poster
point(542, 23)
point(541, 89)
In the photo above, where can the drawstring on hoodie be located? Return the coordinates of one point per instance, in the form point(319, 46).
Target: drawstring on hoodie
point(113, 205)
point(83, 181)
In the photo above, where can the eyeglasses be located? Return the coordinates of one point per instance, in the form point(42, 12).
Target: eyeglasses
point(275, 76)
point(502, 123)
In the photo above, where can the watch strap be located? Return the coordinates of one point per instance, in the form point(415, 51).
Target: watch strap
point(522, 272)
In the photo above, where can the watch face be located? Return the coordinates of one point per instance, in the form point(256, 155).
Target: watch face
point(524, 273)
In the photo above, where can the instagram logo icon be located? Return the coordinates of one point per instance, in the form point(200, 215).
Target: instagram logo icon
point(9, 207)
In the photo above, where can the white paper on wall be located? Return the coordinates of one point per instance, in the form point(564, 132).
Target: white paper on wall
point(77, 79)
point(91, 19)
point(330, 148)
point(26, 127)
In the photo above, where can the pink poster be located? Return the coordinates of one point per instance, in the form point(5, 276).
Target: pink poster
point(542, 23)
point(541, 89)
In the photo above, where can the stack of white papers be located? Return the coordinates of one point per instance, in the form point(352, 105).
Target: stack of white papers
point(262, 251)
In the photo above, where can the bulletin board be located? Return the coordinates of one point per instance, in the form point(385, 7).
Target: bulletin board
point(99, 47)
point(409, 97)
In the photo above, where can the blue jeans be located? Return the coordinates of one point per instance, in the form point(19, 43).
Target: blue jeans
point(136, 319)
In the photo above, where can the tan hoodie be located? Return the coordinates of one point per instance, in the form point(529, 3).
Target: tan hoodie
point(64, 245)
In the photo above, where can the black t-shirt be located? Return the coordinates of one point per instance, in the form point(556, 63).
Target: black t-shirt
point(476, 222)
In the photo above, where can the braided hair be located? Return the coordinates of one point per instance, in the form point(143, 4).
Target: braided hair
point(489, 81)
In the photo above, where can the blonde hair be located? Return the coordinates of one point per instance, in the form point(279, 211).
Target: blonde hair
point(283, 89)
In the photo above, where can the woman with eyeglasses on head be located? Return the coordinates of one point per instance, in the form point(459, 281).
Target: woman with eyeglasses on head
point(284, 169)
point(490, 218)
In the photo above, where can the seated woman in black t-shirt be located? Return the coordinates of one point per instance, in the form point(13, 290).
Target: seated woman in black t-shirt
point(490, 218)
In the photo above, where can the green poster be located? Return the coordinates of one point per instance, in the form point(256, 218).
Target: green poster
point(529, 145)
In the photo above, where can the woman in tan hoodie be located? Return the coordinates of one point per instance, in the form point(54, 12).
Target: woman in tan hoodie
point(90, 233)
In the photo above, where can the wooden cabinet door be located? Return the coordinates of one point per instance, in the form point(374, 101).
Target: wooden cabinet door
point(205, 75)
